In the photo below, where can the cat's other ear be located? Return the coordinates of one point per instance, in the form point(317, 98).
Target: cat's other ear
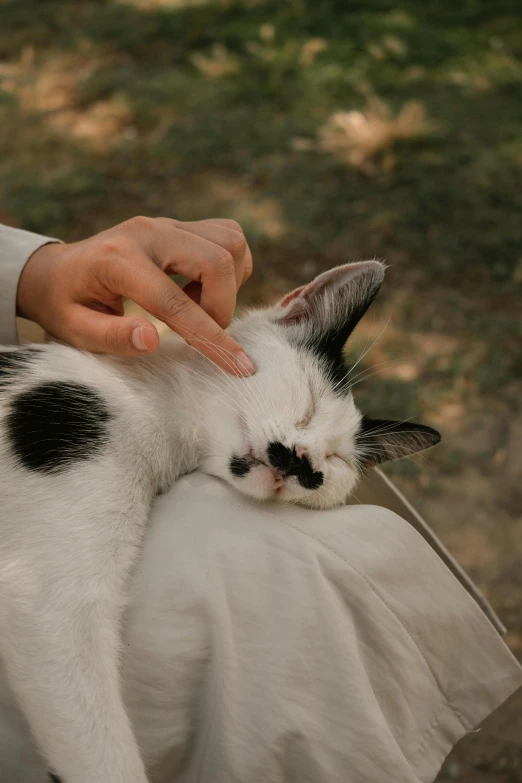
point(328, 309)
point(380, 440)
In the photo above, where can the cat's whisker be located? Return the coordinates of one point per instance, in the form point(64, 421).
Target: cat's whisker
point(217, 369)
point(329, 491)
point(367, 350)
point(367, 369)
point(249, 389)
point(223, 352)
point(206, 380)
point(387, 450)
point(349, 382)
point(385, 427)
point(352, 385)
point(389, 436)
point(249, 404)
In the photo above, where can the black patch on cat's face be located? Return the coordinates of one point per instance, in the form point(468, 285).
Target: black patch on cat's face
point(310, 479)
point(381, 440)
point(13, 362)
point(54, 778)
point(56, 424)
point(281, 457)
point(287, 462)
point(337, 369)
point(239, 466)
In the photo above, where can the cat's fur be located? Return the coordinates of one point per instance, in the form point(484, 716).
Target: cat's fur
point(86, 442)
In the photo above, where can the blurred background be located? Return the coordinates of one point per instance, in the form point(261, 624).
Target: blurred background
point(332, 131)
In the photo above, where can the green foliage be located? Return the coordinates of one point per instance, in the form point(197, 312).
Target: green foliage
point(453, 198)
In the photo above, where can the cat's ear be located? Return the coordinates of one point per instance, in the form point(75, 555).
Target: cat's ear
point(327, 310)
point(380, 440)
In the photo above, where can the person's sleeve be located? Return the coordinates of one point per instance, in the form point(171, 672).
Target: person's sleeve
point(16, 247)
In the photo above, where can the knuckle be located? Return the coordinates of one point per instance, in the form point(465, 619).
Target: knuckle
point(223, 265)
point(176, 304)
point(233, 224)
point(113, 270)
point(112, 247)
point(113, 339)
point(140, 222)
point(237, 244)
point(219, 337)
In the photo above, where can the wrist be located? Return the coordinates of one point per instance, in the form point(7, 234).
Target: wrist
point(36, 278)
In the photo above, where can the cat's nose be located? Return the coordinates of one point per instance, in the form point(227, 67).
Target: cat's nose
point(294, 462)
point(281, 457)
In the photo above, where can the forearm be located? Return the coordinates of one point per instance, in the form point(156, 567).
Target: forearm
point(16, 247)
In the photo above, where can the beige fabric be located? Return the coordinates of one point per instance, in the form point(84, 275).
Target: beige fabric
point(16, 247)
point(376, 488)
point(329, 647)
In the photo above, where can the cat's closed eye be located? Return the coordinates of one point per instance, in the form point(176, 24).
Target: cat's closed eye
point(333, 458)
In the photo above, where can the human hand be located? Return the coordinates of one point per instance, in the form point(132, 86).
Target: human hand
point(76, 291)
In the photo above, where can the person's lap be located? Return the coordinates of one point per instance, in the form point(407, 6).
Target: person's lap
point(267, 643)
point(288, 644)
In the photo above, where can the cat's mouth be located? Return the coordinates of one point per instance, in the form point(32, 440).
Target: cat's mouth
point(261, 479)
point(280, 467)
point(276, 467)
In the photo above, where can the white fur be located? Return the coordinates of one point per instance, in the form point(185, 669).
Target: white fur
point(69, 540)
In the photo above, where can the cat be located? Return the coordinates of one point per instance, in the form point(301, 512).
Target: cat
point(87, 441)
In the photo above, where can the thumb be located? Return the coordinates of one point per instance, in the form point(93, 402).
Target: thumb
point(103, 333)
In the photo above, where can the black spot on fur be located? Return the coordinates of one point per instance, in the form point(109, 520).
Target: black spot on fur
point(280, 457)
point(287, 462)
point(312, 479)
point(56, 424)
point(54, 778)
point(239, 466)
point(14, 362)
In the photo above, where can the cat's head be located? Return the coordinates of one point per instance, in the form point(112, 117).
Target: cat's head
point(292, 431)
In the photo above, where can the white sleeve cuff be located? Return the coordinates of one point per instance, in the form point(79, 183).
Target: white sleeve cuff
point(16, 247)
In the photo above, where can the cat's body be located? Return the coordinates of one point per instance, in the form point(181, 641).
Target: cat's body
point(86, 443)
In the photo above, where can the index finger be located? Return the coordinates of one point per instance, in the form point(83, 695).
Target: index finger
point(200, 259)
point(152, 289)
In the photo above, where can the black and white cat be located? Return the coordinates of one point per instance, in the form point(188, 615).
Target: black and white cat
point(86, 442)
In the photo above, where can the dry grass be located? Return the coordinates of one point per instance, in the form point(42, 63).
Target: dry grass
point(367, 139)
point(48, 86)
point(311, 49)
point(219, 63)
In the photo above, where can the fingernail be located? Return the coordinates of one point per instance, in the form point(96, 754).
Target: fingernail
point(244, 364)
point(137, 339)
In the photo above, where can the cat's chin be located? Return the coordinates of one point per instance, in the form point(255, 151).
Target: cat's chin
point(261, 483)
